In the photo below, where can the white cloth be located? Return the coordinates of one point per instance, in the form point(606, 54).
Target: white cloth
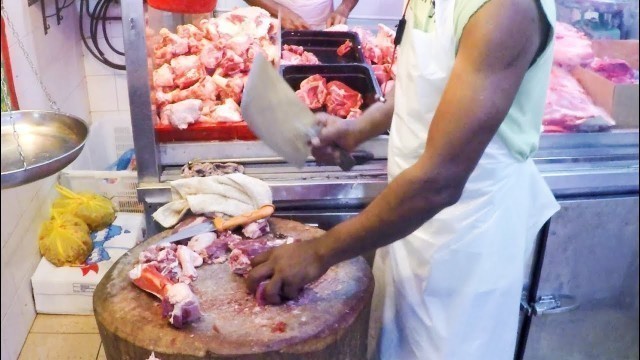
point(314, 12)
point(232, 195)
point(451, 290)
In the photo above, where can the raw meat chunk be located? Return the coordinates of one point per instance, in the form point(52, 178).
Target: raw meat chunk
point(182, 113)
point(239, 262)
point(313, 91)
point(341, 99)
point(572, 47)
point(180, 305)
point(163, 76)
point(344, 48)
point(189, 260)
point(615, 70)
point(227, 112)
point(296, 55)
point(256, 229)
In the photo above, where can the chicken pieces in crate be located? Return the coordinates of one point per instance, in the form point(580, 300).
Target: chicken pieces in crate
point(200, 70)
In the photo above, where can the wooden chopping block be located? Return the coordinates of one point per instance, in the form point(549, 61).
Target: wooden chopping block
point(329, 321)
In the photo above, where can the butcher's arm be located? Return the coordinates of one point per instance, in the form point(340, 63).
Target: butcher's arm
point(487, 73)
point(290, 20)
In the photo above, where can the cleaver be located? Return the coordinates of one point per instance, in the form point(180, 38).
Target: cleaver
point(276, 115)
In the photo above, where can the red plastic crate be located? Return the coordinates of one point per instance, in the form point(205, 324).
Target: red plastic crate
point(205, 132)
point(185, 6)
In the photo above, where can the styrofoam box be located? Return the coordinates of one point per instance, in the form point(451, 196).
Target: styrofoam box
point(69, 289)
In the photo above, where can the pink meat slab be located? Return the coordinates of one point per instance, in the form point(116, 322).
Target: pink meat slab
point(329, 320)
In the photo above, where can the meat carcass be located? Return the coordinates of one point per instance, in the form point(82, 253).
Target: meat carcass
point(182, 113)
point(572, 47)
point(568, 105)
point(341, 99)
point(313, 91)
point(344, 48)
point(245, 250)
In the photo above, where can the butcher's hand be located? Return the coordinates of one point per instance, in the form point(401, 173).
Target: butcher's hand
point(287, 269)
point(292, 21)
point(335, 134)
point(339, 16)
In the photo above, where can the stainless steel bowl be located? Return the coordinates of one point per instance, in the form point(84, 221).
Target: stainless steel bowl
point(50, 142)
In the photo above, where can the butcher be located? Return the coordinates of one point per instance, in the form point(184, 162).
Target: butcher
point(307, 14)
point(456, 224)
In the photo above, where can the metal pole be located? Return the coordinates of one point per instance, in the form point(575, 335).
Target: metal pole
point(144, 139)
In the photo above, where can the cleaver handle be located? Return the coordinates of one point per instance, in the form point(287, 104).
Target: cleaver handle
point(244, 219)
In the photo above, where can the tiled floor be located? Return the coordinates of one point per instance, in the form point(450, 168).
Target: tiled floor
point(58, 337)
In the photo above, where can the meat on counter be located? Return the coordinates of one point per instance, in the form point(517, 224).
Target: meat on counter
point(296, 55)
point(207, 64)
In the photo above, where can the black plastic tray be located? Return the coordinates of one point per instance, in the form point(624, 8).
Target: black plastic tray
point(358, 77)
point(324, 45)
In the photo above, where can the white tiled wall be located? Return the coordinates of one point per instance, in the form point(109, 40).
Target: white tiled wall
point(58, 58)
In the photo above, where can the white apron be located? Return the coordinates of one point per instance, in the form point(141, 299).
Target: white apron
point(451, 290)
point(314, 12)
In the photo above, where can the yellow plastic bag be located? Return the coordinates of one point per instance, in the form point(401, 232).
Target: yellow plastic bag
point(64, 240)
point(95, 210)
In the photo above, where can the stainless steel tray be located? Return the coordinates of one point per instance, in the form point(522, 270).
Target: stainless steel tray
point(50, 141)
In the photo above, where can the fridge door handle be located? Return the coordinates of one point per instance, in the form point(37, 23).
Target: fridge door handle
point(554, 304)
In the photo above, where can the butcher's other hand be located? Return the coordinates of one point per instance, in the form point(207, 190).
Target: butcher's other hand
point(292, 21)
point(287, 269)
point(338, 17)
point(335, 134)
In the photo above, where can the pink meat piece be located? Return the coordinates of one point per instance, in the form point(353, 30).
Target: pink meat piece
point(296, 55)
point(313, 91)
point(384, 42)
point(256, 229)
point(616, 70)
point(245, 250)
point(201, 242)
point(572, 47)
point(239, 44)
point(169, 45)
point(147, 278)
point(210, 247)
point(568, 105)
point(230, 88)
point(230, 238)
point(189, 260)
point(180, 305)
point(344, 48)
point(341, 99)
point(210, 29)
point(210, 56)
point(188, 70)
point(239, 262)
point(227, 112)
point(163, 76)
point(182, 113)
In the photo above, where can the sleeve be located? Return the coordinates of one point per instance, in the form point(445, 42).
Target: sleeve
point(463, 11)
